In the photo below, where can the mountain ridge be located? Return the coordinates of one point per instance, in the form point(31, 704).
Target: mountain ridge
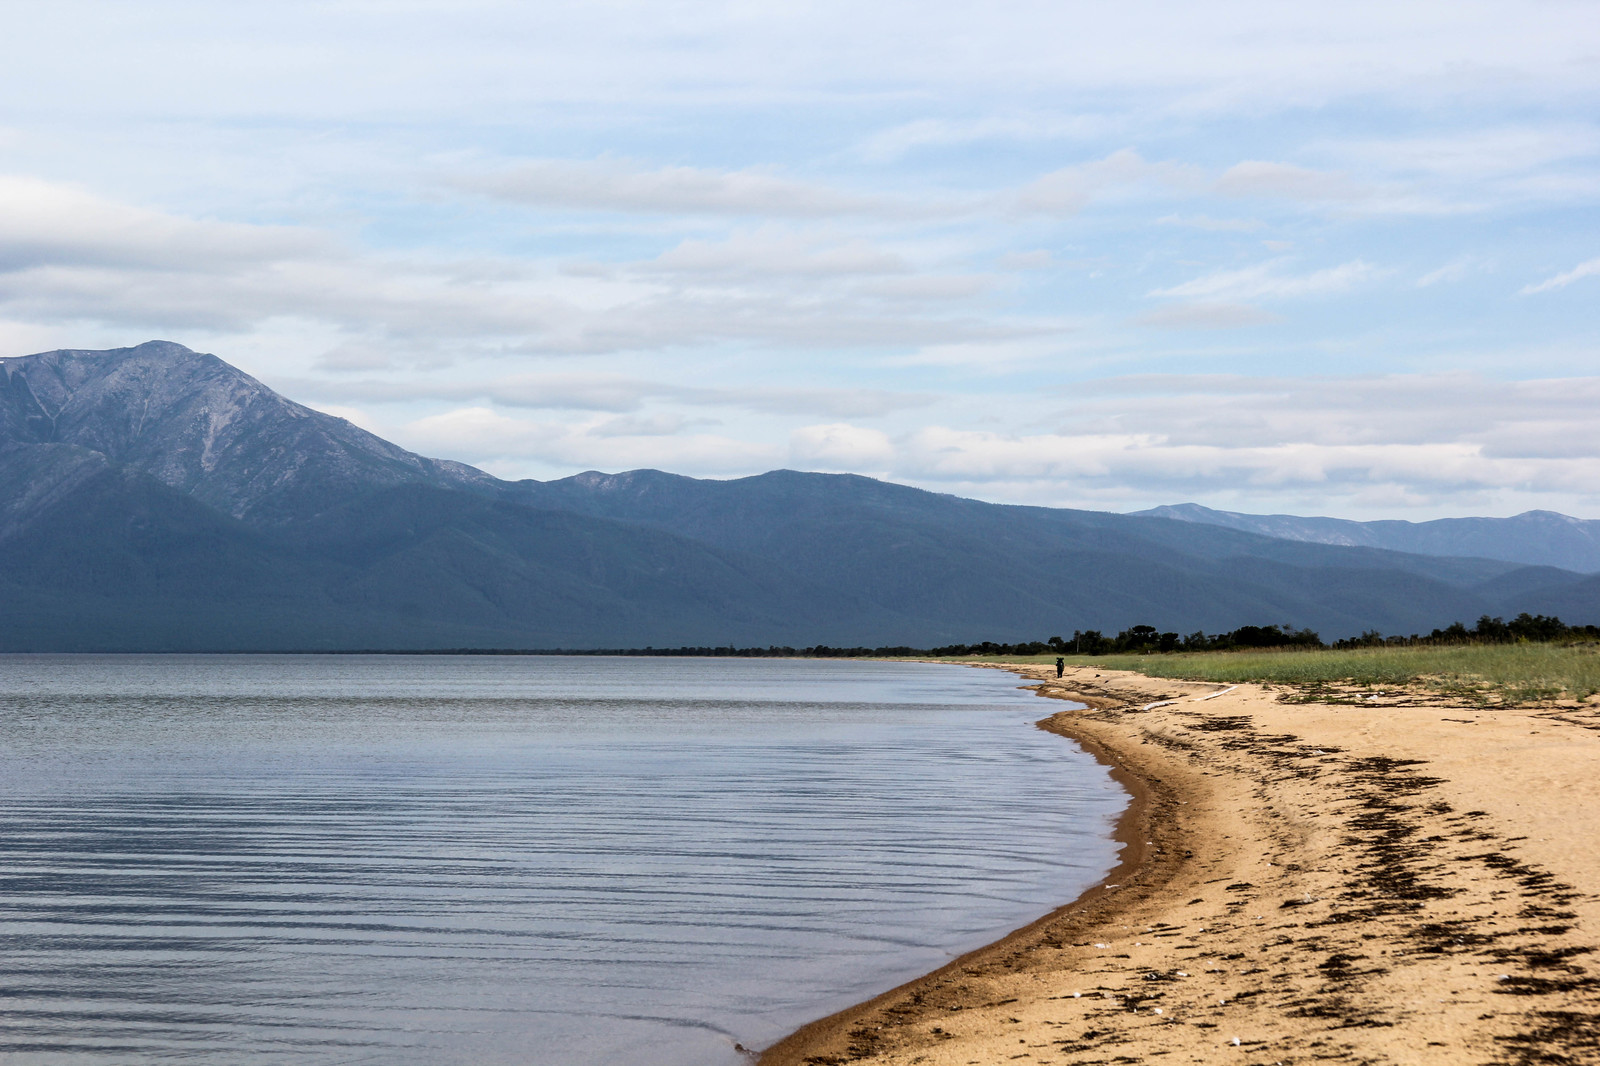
point(154, 498)
point(217, 433)
point(1537, 538)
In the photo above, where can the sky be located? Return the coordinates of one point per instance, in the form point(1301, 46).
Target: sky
point(1278, 258)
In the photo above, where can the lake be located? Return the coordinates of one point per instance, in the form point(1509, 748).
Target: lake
point(508, 859)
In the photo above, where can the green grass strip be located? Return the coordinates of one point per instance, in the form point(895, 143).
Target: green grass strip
point(1503, 673)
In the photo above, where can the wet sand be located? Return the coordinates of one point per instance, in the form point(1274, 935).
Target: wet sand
point(1396, 880)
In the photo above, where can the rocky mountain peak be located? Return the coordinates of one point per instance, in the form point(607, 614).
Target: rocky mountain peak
point(206, 428)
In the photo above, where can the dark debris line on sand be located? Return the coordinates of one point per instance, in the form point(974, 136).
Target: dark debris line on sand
point(1393, 874)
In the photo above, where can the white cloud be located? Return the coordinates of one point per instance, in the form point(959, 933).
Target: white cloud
point(1207, 316)
point(1476, 153)
point(131, 267)
point(46, 224)
point(496, 62)
point(899, 140)
point(1332, 190)
point(616, 186)
point(941, 453)
point(1037, 259)
point(1586, 269)
point(840, 446)
point(609, 223)
point(1427, 440)
point(398, 297)
point(1255, 177)
point(776, 252)
point(833, 402)
point(1230, 411)
point(498, 442)
point(1035, 344)
point(1068, 190)
point(476, 433)
point(1457, 269)
point(1267, 281)
point(612, 393)
point(1366, 446)
point(1215, 225)
point(657, 425)
point(351, 356)
point(928, 288)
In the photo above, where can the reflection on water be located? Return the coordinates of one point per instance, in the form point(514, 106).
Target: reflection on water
point(506, 859)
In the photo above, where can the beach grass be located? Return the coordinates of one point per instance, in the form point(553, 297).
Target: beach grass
point(1484, 673)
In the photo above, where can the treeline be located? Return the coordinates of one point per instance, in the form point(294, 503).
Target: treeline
point(1135, 640)
point(1142, 640)
point(1145, 640)
point(1533, 628)
point(725, 651)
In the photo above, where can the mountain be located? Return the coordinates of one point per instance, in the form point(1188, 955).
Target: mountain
point(207, 429)
point(1537, 538)
point(995, 568)
point(154, 498)
point(116, 560)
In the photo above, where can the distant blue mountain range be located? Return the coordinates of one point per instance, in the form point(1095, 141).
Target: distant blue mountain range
point(155, 498)
point(1539, 538)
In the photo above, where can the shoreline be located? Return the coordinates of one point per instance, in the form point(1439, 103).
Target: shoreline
point(1297, 883)
point(1139, 832)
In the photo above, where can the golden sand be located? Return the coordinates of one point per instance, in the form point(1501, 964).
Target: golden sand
point(1301, 882)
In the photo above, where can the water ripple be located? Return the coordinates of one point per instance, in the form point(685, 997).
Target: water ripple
point(452, 860)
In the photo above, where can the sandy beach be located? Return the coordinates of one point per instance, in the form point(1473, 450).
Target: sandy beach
point(1393, 880)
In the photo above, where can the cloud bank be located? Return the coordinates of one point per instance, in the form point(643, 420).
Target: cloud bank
point(1265, 256)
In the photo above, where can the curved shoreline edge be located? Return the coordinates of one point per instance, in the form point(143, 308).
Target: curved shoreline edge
point(1147, 830)
point(1398, 880)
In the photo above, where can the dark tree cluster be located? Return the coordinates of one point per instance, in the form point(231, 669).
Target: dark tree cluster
point(1532, 628)
point(1143, 640)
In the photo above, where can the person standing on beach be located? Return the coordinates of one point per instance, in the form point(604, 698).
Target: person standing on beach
point(1061, 666)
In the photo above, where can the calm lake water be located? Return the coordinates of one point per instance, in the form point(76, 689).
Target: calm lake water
point(553, 861)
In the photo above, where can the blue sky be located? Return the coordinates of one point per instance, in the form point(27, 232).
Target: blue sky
point(1105, 255)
